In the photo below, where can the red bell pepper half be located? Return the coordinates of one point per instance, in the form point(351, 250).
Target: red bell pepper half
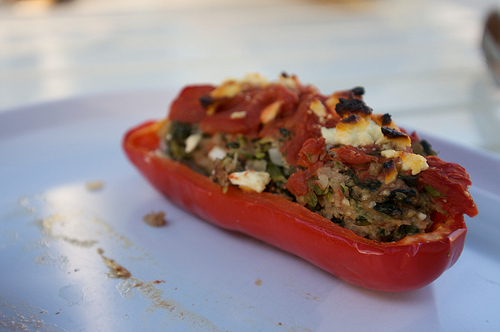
point(406, 265)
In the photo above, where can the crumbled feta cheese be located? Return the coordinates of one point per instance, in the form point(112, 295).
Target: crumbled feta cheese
point(289, 81)
point(421, 216)
point(414, 162)
point(275, 156)
point(238, 115)
point(328, 134)
point(191, 142)
point(363, 132)
point(390, 153)
point(331, 102)
point(323, 181)
point(410, 161)
point(229, 89)
point(269, 113)
point(318, 108)
point(255, 79)
point(250, 180)
point(217, 153)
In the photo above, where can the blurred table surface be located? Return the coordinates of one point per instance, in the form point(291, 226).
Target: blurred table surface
point(421, 61)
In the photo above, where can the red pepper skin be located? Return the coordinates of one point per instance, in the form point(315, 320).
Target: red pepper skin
point(406, 265)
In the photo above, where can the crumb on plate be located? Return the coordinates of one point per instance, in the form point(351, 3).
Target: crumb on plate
point(94, 185)
point(155, 219)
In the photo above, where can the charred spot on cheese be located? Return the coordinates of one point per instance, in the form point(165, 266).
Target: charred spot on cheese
point(358, 91)
point(383, 120)
point(351, 119)
point(331, 154)
point(388, 165)
point(346, 107)
point(390, 171)
point(386, 119)
point(206, 101)
point(392, 133)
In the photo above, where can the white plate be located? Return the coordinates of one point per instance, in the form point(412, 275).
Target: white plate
point(189, 275)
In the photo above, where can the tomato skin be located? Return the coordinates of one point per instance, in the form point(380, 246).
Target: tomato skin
point(187, 107)
point(303, 126)
point(311, 151)
point(451, 180)
point(406, 265)
point(352, 155)
point(252, 102)
point(297, 183)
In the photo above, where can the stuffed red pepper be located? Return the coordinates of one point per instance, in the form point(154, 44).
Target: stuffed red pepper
point(320, 176)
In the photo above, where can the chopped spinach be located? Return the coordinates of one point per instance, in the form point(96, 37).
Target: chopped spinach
point(338, 221)
point(389, 208)
point(285, 132)
point(404, 230)
point(410, 180)
point(362, 221)
point(180, 130)
point(433, 191)
point(275, 172)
